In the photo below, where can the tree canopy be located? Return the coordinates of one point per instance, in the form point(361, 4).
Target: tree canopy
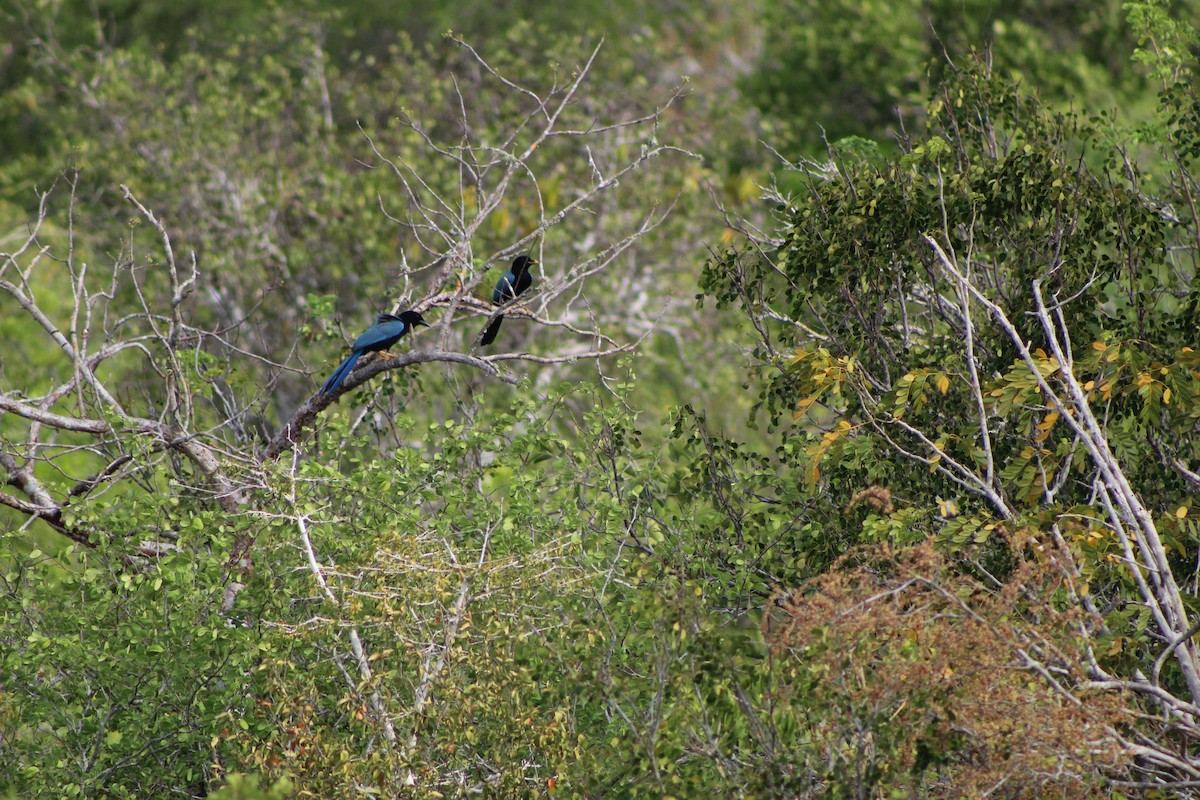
point(844, 443)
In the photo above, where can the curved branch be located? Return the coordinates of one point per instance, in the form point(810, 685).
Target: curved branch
point(293, 431)
point(163, 436)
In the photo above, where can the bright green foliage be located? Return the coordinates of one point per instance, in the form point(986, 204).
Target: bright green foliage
point(275, 161)
point(934, 380)
point(247, 787)
point(1018, 200)
point(461, 594)
point(848, 67)
point(519, 606)
point(115, 677)
point(577, 586)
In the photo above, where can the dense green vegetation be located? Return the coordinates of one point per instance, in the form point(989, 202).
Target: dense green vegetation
point(845, 444)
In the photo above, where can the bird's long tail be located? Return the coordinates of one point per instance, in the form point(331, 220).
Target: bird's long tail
point(339, 374)
point(489, 333)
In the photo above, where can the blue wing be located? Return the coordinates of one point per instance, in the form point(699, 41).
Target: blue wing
point(377, 337)
point(504, 288)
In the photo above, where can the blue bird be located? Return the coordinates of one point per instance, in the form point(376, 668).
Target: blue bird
point(386, 331)
point(510, 285)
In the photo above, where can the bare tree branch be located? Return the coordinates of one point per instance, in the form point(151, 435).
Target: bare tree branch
point(1125, 506)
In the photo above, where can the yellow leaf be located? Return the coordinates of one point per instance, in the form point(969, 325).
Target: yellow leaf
point(1166, 396)
point(1181, 512)
point(1087, 387)
point(1099, 347)
point(943, 383)
point(947, 508)
point(1045, 425)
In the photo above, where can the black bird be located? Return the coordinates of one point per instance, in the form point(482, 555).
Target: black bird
point(386, 331)
point(511, 284)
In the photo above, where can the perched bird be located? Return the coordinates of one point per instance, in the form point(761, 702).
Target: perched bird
point(386, 331)
point(510, 285)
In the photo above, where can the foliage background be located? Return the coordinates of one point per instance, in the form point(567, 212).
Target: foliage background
point(763, 554)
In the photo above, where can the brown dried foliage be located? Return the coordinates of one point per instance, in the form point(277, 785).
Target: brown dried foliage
point(877, 497)
point(928, 683)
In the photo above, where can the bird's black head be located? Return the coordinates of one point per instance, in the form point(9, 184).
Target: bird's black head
point(413, 318)
point(522, 264)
